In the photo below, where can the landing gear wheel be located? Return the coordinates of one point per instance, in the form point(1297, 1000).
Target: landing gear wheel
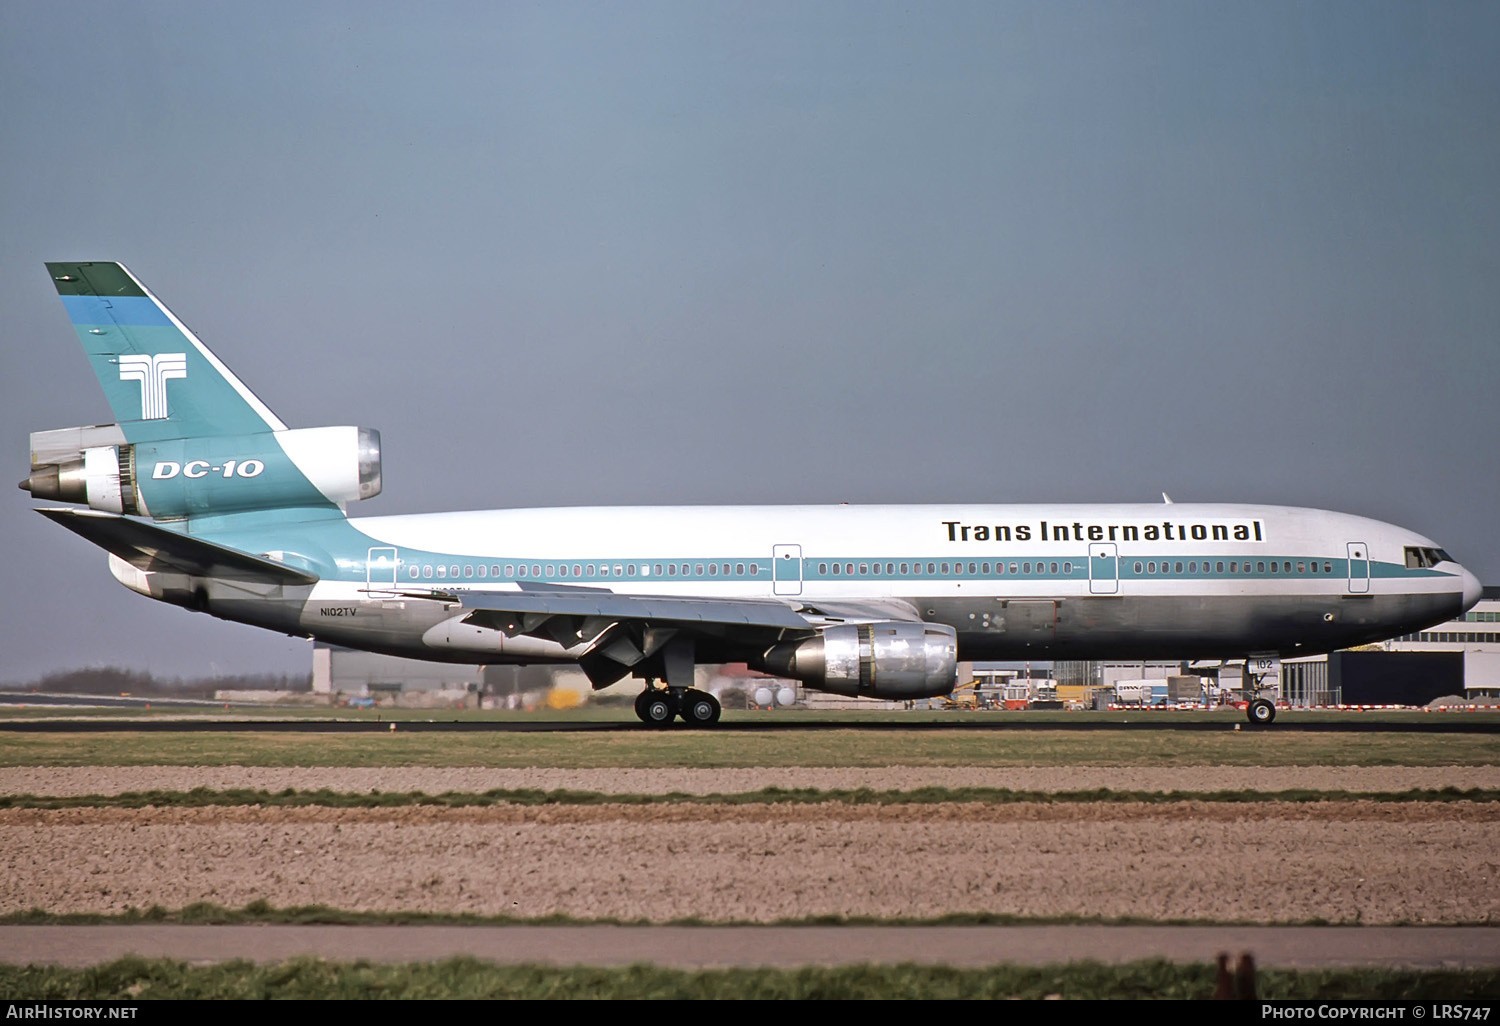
point(656, 708)
point(700, 709)
point(1261, 712)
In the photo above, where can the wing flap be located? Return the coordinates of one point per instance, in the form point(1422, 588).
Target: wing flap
point(152, 548)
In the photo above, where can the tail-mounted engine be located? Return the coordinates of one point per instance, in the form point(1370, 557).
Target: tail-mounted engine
point(179, 477)
point(873, 660)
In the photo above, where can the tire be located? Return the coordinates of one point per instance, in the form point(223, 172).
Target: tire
point(658, 710)
point(640, 705)
point(700, 709)
point(1262, 712)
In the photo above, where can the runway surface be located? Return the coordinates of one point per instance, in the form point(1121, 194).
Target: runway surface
point(700, 947)
point(1454, 723)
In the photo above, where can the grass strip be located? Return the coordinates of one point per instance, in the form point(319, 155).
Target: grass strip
point(291, 797)
point(855, 744)
point(468, 978)
point(262, 912)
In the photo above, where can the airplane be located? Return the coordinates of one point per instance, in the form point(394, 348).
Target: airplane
point(205, 499)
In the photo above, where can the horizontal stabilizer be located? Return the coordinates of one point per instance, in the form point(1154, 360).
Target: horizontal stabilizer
point(656, 608)
point(147, 547)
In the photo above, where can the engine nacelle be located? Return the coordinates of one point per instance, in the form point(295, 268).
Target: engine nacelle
point(178, 477)
point(897, 660)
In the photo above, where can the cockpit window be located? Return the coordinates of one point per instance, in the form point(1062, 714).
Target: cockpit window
point(1421, 558)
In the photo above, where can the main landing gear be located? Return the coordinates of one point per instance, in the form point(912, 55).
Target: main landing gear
point(658, 707)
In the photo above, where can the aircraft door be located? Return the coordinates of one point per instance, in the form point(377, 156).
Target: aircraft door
point(786, 569)
point(1104, 569)
point(380, 569)
point(1359, 568)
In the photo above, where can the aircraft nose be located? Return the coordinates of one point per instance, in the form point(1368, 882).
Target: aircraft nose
point(1473, 590)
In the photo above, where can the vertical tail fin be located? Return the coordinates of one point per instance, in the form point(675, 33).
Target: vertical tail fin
point(160, 380)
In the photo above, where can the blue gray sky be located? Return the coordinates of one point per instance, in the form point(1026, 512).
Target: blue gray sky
point(599, 253)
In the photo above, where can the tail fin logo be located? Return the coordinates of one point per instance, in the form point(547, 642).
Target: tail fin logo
point(153, 372)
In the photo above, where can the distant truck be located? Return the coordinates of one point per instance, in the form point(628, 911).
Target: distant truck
point(1141, 692)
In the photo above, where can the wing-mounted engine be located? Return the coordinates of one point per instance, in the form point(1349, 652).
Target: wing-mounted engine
point(178, 477)
point(897, 660)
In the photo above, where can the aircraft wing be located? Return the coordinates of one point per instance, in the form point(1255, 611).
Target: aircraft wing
point(614, 634)
point(667, 609)
point(148, 547)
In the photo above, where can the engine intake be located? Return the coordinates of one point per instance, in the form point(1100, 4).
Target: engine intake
point(897, 660)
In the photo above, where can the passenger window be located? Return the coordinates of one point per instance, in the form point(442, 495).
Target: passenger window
point(890, 568)
point(931, 568)
point(1260, 566)
point(619, 570)
point(551, 572)
point(577, 570)
point(510, 570)
point(657, 570)
point(984, 568)
point(739, 569)
point(413, 571)
point(849, 569)
point(1025, 568)
point(1177, 568)
point(1286, 568)
point(1219, 567)
point(562, 571)
point(1327, 567)
point(1151, 568)
point(971, 568)
point(1067, 567)
point(1301, 567)
point(945, 568)
point(468, 570)
point(754, 569)
point(427, 571)
point(822, 568)
point(1052, 568)
point(1013, 567)
point(1234, 567)
point(1273, 566)
point(864, 569)
point(536, 570)
point(1193, 568)
point(442, 571)
point(699, 570)
point(1137, 566)
point(838, 568)
point(903, 570)
point(482, 569)
point(630, 569)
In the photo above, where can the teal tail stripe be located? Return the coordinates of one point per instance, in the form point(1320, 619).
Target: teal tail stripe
point(86, 310)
